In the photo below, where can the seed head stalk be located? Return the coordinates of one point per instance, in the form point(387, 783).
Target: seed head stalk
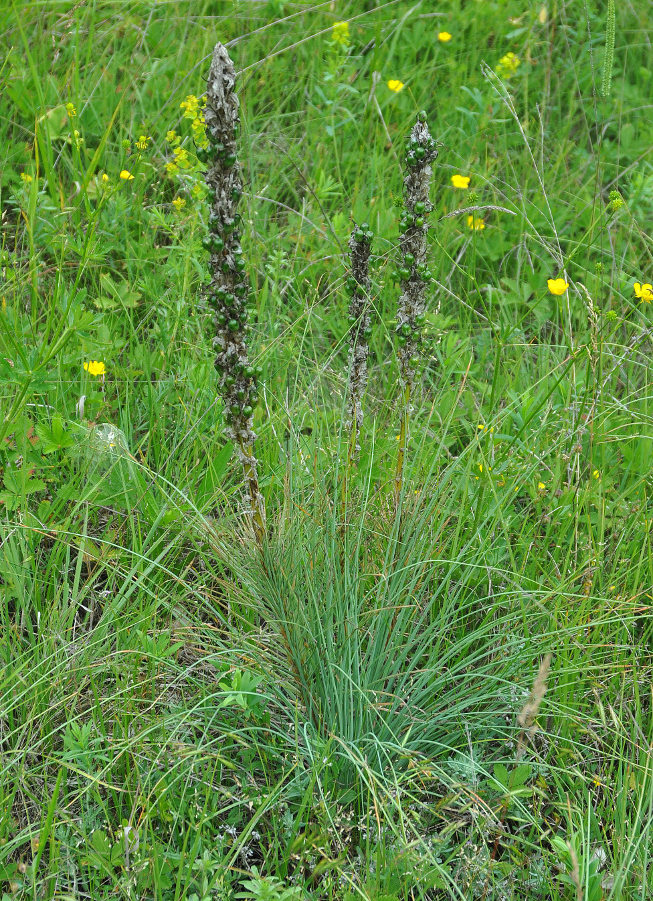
point(358, 285)
point(360, 326)
point(414, 274)
point(229, 291)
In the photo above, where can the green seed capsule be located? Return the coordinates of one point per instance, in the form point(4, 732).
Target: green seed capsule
point(421, 116)
point(207, 242)
point(420, 206)
point(404, 274)
point(235, 409)
point(229, 380)
point(250, 372)
point(233, 325)
point(401, 340)
point(241, 265)
point(241, 394)
point(248, 410)
point(217, 244)
point(220, 318)
point(406, 329)
point(419, 222)
point(409, 259)
point(229, 160)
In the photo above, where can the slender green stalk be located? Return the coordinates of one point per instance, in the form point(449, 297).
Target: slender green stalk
point(229, 291)
point(413, 273)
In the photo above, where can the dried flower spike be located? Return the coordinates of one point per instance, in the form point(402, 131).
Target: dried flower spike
point(229, 291)
point(413, 272)
point(358, 285)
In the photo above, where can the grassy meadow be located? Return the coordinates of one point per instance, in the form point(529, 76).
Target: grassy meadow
point(446, 698)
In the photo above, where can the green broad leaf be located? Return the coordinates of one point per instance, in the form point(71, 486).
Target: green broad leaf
point(17, 484)
point(116, 295)
point(54, 437)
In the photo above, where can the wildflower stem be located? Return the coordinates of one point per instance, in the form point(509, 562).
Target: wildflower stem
point(229, 290)
point(358, 284)
point(403, 442)
point(413, 273)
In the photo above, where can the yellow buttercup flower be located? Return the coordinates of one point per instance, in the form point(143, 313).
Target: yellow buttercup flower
point(395, 85)
point(26, 177)
point(126, 176)
point(557, 285)
point(105, 178)
point(143, 142)
point(644, 293)
point(476, 223)
point(444, 36)
point(340, 33)
point(460, 181)
point(95, 367)
point(541, 486)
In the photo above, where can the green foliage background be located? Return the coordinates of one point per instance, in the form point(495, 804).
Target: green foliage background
point(181, 718)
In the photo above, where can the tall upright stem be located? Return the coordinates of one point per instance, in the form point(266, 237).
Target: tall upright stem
point(229, 291)
point(414, 275)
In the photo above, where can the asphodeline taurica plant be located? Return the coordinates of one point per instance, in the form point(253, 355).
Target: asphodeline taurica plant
point(358, 285)
point(229, 292)
point(413, 272)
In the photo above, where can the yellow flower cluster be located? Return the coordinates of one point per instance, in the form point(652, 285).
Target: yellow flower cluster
point(460, 181)
point(143, 142)
point(476, 223)
point(70, 109)
point(444, 36)
point(508, 65)
point(340, 33)
point(395, 85)
point(194, 110)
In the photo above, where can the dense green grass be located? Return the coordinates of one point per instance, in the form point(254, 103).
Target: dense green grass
point(343, 716)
